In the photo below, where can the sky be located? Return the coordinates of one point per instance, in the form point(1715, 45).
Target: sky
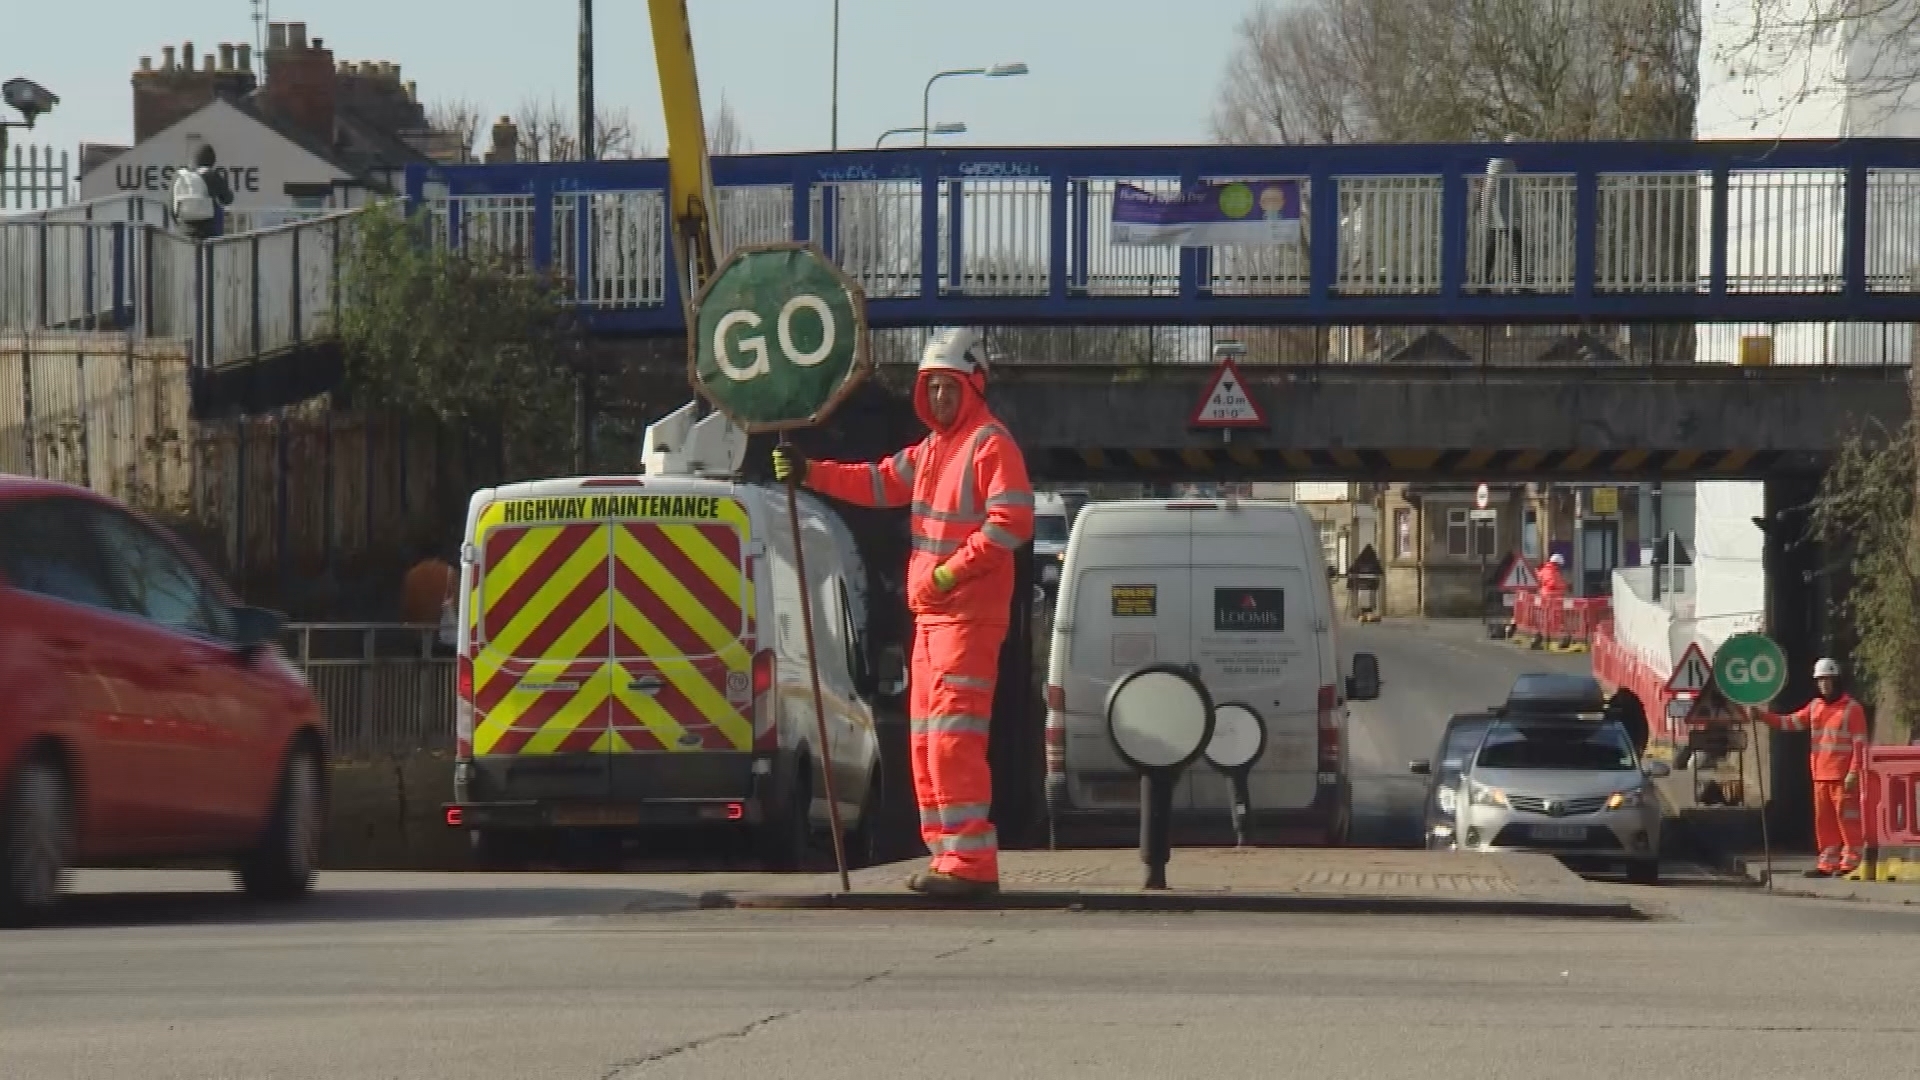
point(1103, 71)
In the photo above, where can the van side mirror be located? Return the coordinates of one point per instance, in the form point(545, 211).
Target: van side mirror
point(1657, 769)
point(1364, 683)
point(254, 629)
point(890, 671)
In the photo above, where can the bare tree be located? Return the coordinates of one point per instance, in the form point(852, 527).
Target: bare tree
point(1878, 45)
point(725, 135)
point(549, 132)
point(459, 117)
point(1455, 70)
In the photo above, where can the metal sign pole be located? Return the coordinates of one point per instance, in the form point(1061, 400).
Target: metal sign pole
point(1760, 776)
point(825, 753)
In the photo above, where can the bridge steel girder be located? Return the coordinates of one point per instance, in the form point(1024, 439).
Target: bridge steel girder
point(1571, 424)
point(1092, 424)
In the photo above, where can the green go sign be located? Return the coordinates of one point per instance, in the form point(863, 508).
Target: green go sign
point(1750, 669)
point(779, 337)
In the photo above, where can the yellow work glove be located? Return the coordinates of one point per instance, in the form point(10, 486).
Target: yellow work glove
point(789, 463)
point(1852, 782)
point(943, 578)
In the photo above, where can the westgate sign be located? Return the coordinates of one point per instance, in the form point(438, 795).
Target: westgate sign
point(158, 179)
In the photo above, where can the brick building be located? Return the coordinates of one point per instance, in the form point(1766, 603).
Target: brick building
point(309, 133)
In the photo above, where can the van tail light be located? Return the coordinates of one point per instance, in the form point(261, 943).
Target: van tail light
point(1056, 699)
point(1329, 724)
point(463, 709)
point(766, 728)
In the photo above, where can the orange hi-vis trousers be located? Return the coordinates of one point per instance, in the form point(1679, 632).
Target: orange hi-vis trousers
point(1837, 827)
point(950, 706)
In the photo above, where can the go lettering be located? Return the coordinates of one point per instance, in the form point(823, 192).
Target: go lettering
point(755, 345)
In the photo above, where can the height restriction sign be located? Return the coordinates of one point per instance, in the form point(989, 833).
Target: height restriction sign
point(1228, 402)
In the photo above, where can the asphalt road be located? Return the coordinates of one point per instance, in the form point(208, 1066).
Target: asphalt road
point(1429, 671)
point(587, 977)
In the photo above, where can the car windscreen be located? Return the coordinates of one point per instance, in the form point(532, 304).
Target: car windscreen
point(1461, 739)
point(1050, 529)
point(1577, 747)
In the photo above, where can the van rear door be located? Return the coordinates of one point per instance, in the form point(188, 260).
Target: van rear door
point(1129, 608)
point(540, 638)
point(683, 630)
point(1255, 643)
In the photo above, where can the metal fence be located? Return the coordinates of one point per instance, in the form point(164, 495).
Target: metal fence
point(384, 689)
point(37, 178)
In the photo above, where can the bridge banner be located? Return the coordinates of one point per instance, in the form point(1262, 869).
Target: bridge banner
point(1251, 213)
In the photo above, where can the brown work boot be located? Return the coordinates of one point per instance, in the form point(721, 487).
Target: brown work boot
point(949, 887)
point(917, 882)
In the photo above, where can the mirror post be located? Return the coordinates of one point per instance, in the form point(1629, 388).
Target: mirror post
point(1156, 819)
point(1242, 799)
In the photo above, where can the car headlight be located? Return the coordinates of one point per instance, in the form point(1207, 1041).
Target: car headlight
point(1449, 800)
point(1484, 795)
point(1621, 799)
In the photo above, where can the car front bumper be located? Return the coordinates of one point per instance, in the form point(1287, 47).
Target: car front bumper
point(1630, 832)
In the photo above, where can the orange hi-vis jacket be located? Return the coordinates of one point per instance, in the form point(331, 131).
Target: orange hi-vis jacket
point(972, 507)
point(1839, 730)
point(1552, 581)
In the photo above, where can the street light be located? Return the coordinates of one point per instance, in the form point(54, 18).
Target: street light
point(997, 71)
point(30, 99)
point(952, 128)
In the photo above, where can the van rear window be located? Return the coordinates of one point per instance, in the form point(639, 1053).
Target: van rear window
point(678, 589)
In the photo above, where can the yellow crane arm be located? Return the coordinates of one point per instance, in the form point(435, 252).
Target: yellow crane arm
point(690, 174)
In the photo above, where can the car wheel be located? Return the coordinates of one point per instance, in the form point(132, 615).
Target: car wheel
point(38, 844)
point(282, 867)
point(1644, 872)
point(783, 839)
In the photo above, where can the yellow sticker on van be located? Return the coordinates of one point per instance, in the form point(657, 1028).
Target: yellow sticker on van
point(1136, 601)
point(602, 507)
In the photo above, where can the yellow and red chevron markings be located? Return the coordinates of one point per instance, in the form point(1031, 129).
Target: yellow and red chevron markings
point(612, 636)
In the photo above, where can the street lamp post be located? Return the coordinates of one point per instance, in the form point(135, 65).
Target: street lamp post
point(953, 128)
point(997, 71)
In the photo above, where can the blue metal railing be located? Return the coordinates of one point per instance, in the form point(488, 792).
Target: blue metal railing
point(1776, 231)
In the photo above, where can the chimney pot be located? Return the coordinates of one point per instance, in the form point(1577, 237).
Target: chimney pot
point(413, 91)
point(244, 57)
point(276, 35)
point(166, 58)
point(297, 35)
point(186, 56)
point(146, 63)
point(226, 57)
point(206, 64)
point(319, 44)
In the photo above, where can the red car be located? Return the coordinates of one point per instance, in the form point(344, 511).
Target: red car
point(146, 716)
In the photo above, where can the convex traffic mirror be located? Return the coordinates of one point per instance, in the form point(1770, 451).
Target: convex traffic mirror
point(1239, 738)
point(1160, 719)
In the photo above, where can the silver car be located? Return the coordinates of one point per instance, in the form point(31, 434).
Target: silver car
point(1570, 786)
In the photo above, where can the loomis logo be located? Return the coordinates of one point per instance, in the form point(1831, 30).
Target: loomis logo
point(1249, 611)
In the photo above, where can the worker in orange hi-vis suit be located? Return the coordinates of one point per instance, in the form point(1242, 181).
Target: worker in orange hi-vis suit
point(1553, 578)
point(1838, 725)
point(972, 511)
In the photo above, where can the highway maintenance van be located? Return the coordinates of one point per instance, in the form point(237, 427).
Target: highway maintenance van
point(631, 656)
point(1239, 592)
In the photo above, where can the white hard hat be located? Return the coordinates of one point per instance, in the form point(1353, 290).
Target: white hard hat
point(1558, 559)
point(1826, 668)
point(955, 349)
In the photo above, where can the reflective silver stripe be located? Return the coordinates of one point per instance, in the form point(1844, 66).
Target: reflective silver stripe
point(903, 467)
point(967, 481)
point(1001, 536)
point(1010, 498)
point(953, 724)
point(971, 682)
point(938, 547)
point(980, 841)
point(926, 510)
point(879, 486)
point(956, 815)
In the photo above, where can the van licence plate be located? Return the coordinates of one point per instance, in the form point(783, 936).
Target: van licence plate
point(1559, 832)
point(596, 815)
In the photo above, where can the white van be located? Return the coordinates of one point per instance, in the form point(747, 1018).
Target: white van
point(1049, 538)
point(632, 655)
point(1240, 592)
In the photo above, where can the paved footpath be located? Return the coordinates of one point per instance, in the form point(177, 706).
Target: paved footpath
point(1227, 879)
